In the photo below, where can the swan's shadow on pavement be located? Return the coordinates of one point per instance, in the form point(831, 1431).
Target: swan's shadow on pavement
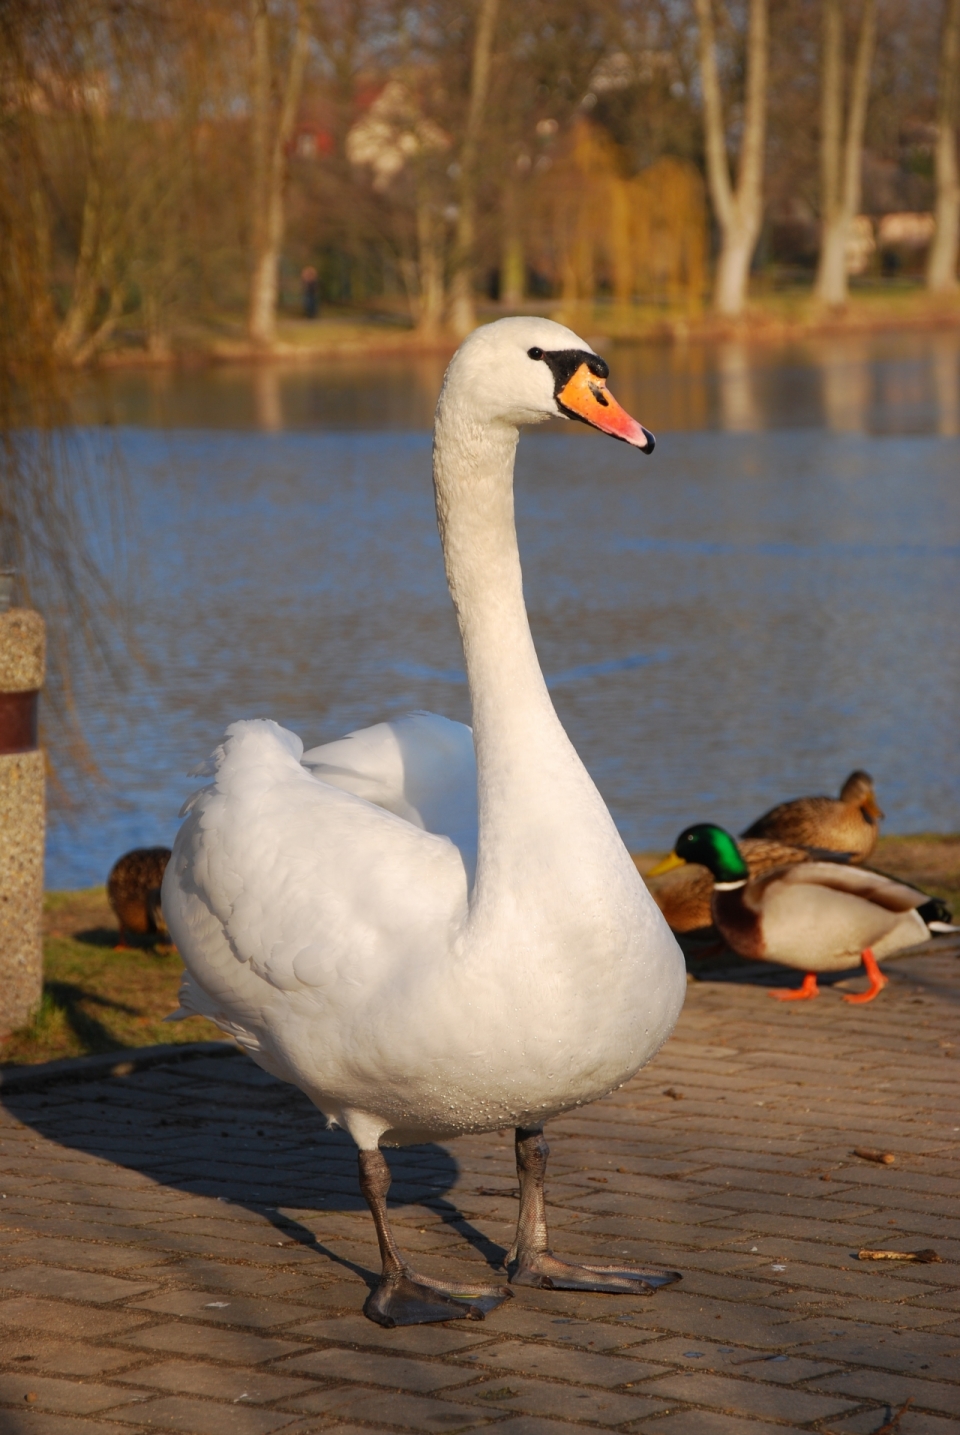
point(224, 1129)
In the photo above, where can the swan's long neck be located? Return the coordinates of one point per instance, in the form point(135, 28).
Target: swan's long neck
point(528, 772)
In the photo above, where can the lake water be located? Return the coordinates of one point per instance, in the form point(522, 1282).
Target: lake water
point(767, 602)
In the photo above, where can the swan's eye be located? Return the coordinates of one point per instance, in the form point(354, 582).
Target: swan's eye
point(534, 353)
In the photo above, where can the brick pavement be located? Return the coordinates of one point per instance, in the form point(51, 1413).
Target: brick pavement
point(184, 1248)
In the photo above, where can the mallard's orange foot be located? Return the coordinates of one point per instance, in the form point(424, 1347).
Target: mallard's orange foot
point(877, 981)
point(804, 992)
point(406, 1298)
point(543, 1270)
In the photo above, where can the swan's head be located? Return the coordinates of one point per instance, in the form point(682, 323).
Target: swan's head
point(525, 370)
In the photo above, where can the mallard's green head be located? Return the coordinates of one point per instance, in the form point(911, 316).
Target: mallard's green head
point(714, 849)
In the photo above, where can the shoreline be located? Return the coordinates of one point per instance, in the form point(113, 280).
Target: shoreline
point(785, 320)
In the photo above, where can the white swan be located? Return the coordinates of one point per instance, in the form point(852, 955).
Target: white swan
point(417, 972)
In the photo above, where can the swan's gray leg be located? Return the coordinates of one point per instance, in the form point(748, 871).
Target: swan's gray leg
point(531, 1261)
point(403, 1297)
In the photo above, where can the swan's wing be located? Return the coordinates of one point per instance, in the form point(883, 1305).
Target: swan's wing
point(858, 882)
point(421, 767)
point(311, 886)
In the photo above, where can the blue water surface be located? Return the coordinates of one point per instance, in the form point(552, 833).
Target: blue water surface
point(767, 602)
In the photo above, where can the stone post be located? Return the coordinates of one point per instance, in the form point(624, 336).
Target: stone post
point(22, 652)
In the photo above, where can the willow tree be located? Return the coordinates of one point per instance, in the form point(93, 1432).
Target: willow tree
point(278, 62)
point(463, 315)
point(841, 144)
point(59, 503)
point(942, 259)
point(738, 207)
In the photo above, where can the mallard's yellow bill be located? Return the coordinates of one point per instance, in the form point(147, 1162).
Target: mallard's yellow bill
point(667, 865)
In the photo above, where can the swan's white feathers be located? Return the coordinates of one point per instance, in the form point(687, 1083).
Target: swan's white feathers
point(325, 903)
point(312, 885)
point(421, 767)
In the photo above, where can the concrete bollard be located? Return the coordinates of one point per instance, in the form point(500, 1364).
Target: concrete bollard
point(22, 815)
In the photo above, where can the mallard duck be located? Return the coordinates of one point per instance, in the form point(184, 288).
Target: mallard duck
point(847, 825)
point(814, 916)
point(684, 894)
point(133, 891)
point(432, 931)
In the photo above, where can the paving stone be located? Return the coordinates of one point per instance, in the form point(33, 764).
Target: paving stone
point(99, 1190)
point(535, 1425)
point(310, 1427)
point(192, 1378)
point(396, 1409)
point(52, 1280)
point(745, 1397)
point(71, 1396)
point(570, 1365)
point(32, 1421)
point(750, 1364)
point(202, 1417)
point(538, 1397)
point(60, 1357)
point(710, 1422)
point(63, 1318)
point(78, 1255)
point(375, 1368)
point(912, 1422)
point(514, 1319)
point(883, 1385)
point(236, 1346)
point(225, 1309)
point(354, 1329)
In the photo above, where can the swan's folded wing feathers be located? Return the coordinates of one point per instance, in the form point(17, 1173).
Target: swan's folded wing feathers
point(313, 886)
point(858, 881)
point(421, 767)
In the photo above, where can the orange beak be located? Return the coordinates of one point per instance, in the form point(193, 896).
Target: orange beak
point(586, 397)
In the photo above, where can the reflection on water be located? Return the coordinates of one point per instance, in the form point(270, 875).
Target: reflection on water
point(883, 384)
point(766, 603)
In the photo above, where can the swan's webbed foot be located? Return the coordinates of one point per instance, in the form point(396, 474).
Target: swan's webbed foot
point(543, 1270)
point(404, 1297)
point(531, 1261)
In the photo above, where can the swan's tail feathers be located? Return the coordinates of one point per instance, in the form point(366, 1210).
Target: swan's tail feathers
point(194, 1001)
point(207, 768)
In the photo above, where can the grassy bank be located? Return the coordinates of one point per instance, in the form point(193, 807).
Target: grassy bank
point(773, 315)
point(98, 999)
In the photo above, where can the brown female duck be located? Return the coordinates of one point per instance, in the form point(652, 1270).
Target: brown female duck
point(133, 891)
point(848, 824)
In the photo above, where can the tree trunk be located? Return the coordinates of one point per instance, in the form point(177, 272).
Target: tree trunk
point(430, 289)
point(270, 165)
point(463, 315)
point(739, 211)
point(841, 154)
point(942, 259)
point(80, 313)
point(513, 266)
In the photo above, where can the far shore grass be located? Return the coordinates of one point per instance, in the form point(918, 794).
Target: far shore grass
point(98, 999)
point(772, 315)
